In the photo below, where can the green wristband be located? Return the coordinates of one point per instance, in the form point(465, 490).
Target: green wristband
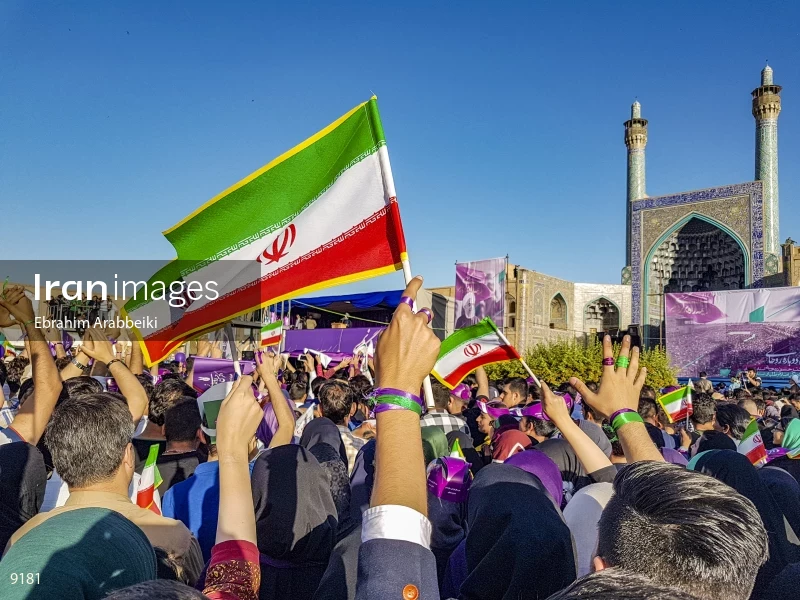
point(624, 419)
point(406, 403)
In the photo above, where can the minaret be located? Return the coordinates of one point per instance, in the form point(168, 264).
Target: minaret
point(766, 108)
point(635, 141)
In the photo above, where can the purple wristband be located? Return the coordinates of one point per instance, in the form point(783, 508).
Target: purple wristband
point(619, 412)
point(384, 407)
point(396, 392)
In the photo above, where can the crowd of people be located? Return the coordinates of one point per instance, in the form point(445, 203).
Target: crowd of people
point(339, 483)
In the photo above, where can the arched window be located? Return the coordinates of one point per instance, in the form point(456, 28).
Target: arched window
point(602, 315)
point(558, 312)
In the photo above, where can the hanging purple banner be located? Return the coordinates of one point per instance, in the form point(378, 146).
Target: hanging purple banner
point(210, 371)
point(726, 332)
point(480, 292)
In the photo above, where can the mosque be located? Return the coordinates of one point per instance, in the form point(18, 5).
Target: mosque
point(719, 238)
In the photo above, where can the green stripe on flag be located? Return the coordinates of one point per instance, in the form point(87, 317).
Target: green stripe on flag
point(462, 336)
point(280, 192)
point(673, 396)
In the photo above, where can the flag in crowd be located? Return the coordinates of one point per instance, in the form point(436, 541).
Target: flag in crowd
point(677, 403)
point(322, 214)
point(752, 445)
point(470, 348)
point(151, 479)
point(271, 334)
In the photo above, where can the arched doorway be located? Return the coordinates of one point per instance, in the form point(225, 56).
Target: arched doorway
point(558, 312)
point(696, 256)
point(600, 316)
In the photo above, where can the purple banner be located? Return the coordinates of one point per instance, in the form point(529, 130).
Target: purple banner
point(210, 371)
point(336, 343)
point(726, 332)
point(480, 292)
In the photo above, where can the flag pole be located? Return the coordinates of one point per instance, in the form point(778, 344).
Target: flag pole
point(521, 359)
point(388, 182)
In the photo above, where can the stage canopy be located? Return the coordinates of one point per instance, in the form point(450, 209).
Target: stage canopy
point(349, 302)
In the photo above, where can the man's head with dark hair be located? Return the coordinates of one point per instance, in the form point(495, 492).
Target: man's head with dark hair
point(80, 386)
point(89, 437)
point(539, 429)
point(647, 392)
point(147, 383)
point(650, 527)
point(515, 392)
point(3, 373)
point(703, 374)
point(62, 362)
point(704, 409)
point(316, 384)
point(167, 393)
point(297, 392)
point(617, 584)
point(163, 589)
point(361, 387)
point(182, 421)
point(14, 369)
point(444, 400)
point(794, 399)
point(732, 420)
point(336, 401)
point(648, 410)
point(751, 405)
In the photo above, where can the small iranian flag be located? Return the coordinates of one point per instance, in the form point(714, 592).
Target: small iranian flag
point(271, 334)
point(677, 404)
point(151, 479)
point(470, 348)
point(322, 214)
point(752, 446)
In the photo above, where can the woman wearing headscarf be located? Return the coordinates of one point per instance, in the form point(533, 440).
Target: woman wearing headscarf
point(23, 478)
point(786, 491)
point(434, 443)
point(735, 470)
point(518, 546)
point(582, 515)
point(790, 462)
point(81, 554)
point(323, 431)
point(339, 580)
point(296, 522)
point(509, 443)
point(538, 464)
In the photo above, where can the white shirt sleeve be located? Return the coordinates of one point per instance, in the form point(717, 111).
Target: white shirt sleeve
point(394, 522)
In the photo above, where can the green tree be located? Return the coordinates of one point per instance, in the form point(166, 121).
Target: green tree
point(558, 360)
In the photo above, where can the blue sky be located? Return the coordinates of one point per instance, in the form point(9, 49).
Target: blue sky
point(503, 119)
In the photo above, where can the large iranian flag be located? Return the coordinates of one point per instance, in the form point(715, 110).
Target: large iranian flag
point(322, 214)
point(470, 348)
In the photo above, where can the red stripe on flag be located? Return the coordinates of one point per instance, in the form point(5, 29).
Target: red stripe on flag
point(379, 244)
point(757, 454)
point(497, 355)
point(144, 498)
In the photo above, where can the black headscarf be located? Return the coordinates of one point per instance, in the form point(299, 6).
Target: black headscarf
point(23, 478)
point(448, 529)
point(296, 522)
point(786, 491)
point(518, 546)
point(336, 471)
point(735, 470)
point(362, 480)
point(323, 431)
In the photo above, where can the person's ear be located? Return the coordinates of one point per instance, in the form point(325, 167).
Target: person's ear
point(598, 564)
point(200, 436)
point(129, 458)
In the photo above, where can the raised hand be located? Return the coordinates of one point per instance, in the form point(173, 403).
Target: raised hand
point(239, 416)
point(15, 303)
point(407, 348)
point(100, 348)
point(619, 386)
point(554, 405)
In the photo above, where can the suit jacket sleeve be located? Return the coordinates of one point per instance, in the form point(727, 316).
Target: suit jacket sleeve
point(390, 569)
